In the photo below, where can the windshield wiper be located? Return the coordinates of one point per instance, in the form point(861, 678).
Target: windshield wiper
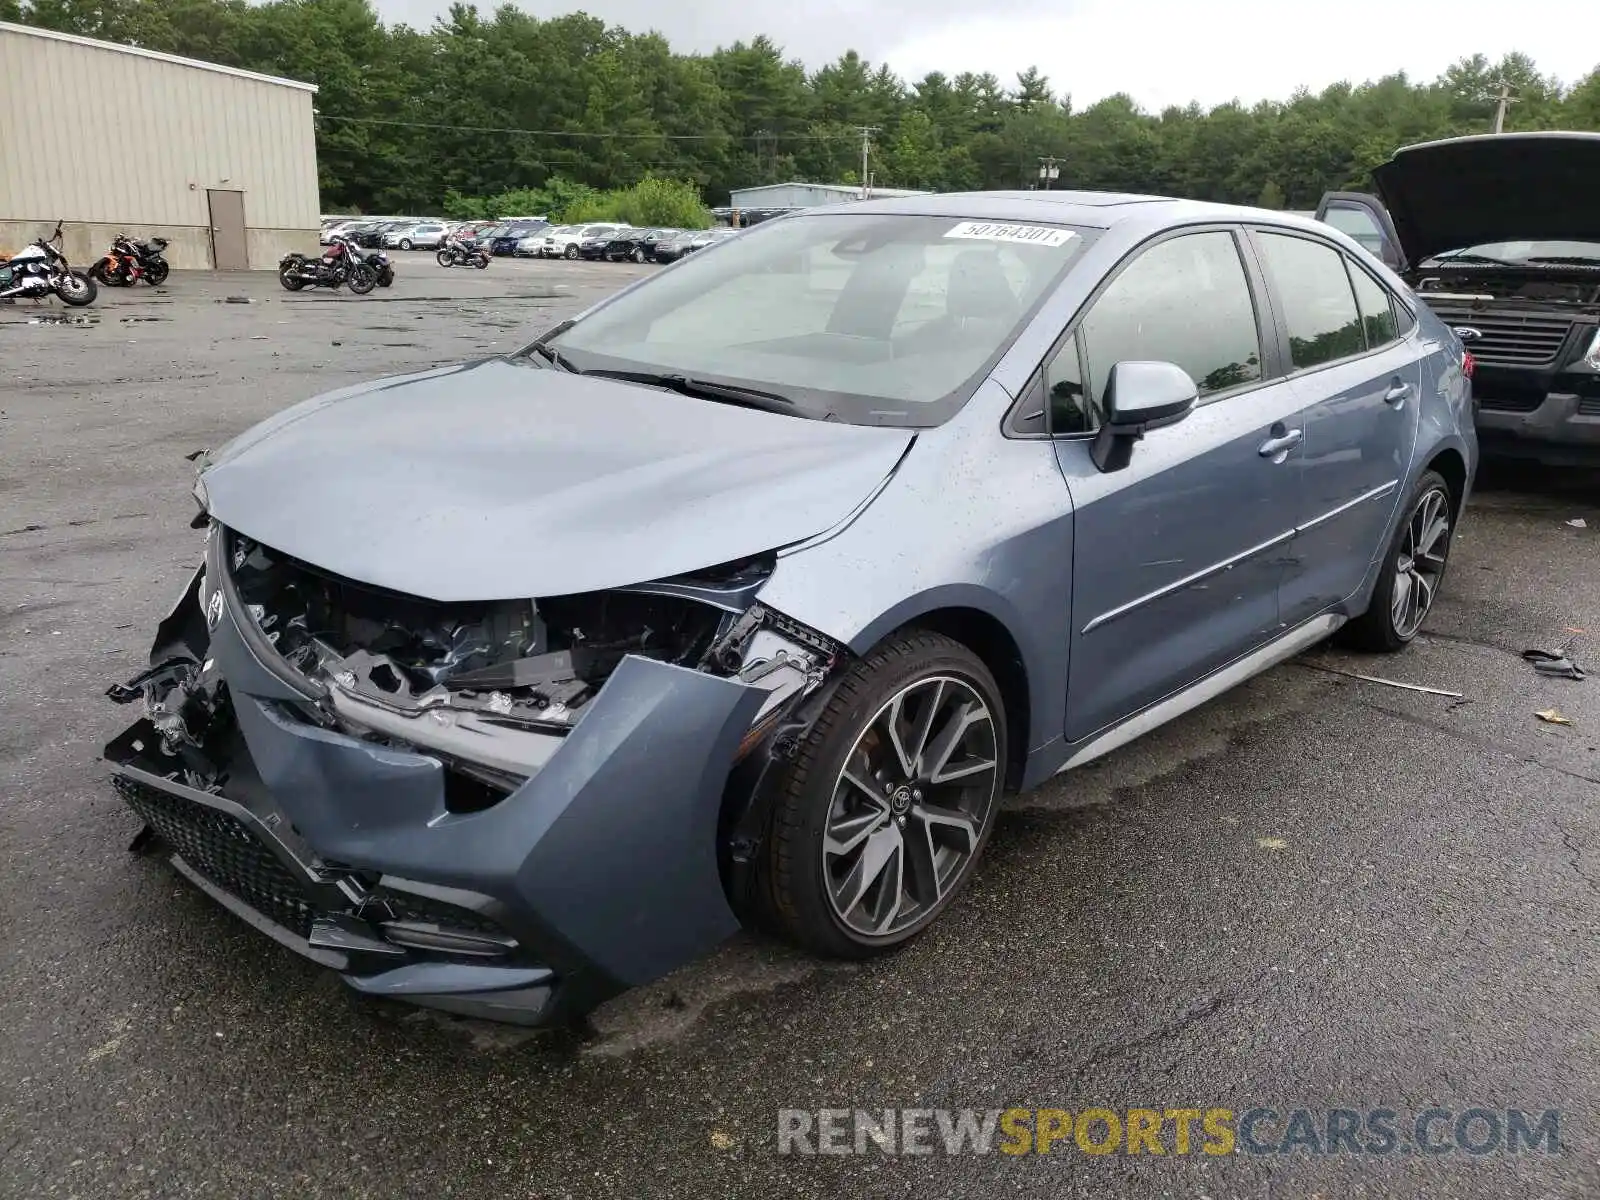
point(553, 356)
point(705, 389)
point(1576, 260)
point(1489, 259)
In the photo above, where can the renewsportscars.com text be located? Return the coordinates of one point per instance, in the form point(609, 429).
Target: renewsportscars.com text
point(1262, 1130)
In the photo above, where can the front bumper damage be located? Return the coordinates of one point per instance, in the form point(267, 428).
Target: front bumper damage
point(352, 824)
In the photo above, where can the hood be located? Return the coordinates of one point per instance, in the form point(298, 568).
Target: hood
point(496, 481)
point(1492, 188)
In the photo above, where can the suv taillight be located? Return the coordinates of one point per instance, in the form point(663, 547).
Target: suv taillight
point(1468, 363)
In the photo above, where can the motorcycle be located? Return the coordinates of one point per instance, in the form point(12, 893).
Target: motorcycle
point(465, 254)
point(129, 261)
point(379, 262)
point(340, 264)
point(42, 269)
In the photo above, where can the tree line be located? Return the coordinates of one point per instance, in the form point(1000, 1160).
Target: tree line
point(479, 106)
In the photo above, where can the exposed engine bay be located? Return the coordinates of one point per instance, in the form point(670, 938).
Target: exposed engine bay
point(490, 687)
point(1538, 285)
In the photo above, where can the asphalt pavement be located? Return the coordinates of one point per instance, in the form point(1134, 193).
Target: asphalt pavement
point(1316, 893)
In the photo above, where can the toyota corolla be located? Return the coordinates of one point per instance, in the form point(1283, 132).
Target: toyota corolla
point(747, 595)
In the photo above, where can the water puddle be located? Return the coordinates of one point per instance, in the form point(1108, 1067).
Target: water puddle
point(62, 319)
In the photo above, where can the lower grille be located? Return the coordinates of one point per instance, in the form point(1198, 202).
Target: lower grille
point(1511, 339)
point(1517, 403)
point(223, 849)
point(1589, 406)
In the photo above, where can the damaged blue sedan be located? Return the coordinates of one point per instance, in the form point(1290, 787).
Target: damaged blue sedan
point(745, 596)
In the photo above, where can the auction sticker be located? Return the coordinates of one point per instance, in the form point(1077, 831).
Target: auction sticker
point(1005, 231)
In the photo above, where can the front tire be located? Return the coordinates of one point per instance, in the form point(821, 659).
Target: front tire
point(637, 255)
point(156, 273)
point(405, 243)
point(362, 279)
point(77, 289)
point(570, 253)
point(445, 259)
point(879, 820)
point(1412, 570)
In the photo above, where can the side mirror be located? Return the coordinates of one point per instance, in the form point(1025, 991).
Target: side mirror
point(1140, 396)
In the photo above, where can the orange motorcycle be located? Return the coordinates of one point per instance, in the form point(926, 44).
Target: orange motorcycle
point(129, 261)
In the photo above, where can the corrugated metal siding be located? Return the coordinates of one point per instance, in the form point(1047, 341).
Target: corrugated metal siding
point(92, 134)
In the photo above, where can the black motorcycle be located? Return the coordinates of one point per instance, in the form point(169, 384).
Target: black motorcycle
point(462, 254)
point(129, 261)
point(379, 262)
point(340, 264)
point(42, 269)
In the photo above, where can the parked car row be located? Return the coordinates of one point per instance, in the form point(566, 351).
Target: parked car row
point(528, 237)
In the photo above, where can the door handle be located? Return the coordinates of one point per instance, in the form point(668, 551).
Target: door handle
point(1277, 448)
point(1397, 394)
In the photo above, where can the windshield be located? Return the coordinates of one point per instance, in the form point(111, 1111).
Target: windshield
point(876, 320)
point(1518, 253)
point(596, 230)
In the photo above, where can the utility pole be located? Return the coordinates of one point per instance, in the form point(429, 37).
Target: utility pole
point(1506, 99)
point(1048, 171)
point(866, 148)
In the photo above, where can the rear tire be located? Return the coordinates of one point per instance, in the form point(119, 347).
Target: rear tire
point(287, 277)
point(1411, 572)
point(482, 262)
point(637, 255)
point(877, 823)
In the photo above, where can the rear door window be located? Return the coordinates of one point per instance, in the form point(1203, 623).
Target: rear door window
point(1376, 307)
point(1314, 294)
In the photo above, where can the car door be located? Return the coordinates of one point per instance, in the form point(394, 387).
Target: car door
point(1364, 218)
point(1360, 384)
point(1177, 557)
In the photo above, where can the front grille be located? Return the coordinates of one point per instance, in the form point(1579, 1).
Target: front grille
point(1511, 339)
point(223, 849)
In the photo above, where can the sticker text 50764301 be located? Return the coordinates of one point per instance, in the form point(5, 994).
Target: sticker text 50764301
point(1005, 231)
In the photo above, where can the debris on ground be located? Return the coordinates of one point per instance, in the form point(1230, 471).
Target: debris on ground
point(1394, 683)
point(1553, 662)
point(1551, 716)
point(1271, 843)
point(1578, 523)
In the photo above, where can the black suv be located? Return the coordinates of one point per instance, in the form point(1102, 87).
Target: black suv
point(1500, 235)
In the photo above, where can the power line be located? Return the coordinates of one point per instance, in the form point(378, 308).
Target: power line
point(586, 133)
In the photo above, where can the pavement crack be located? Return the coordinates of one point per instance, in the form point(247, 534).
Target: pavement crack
point(1575, 851)
point(1499, 747)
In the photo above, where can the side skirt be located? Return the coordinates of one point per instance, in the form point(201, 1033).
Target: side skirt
point(1285, 646)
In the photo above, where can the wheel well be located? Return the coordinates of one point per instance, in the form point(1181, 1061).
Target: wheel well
point(992, 641)
point(1453, 467)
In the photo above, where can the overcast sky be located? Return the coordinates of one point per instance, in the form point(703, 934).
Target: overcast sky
point(1159, 51)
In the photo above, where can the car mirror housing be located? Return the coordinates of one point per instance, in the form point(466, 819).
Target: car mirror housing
point(1140, 396)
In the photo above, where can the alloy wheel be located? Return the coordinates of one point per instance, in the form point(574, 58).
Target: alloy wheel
point(910, 807)
point(1419, 566)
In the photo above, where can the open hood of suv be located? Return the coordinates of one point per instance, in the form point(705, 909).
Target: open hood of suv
point(1492, 188)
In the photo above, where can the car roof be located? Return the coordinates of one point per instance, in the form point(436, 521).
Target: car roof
point(1094, 210)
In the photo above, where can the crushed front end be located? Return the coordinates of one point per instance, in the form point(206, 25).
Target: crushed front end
point(509, 809)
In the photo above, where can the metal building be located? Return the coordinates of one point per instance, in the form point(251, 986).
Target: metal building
point(806, 195)
point(114, 139)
